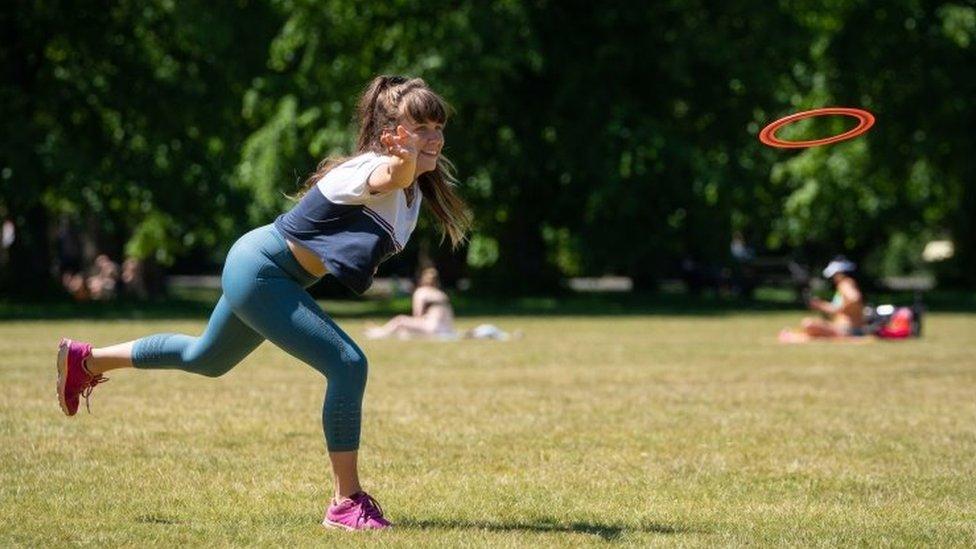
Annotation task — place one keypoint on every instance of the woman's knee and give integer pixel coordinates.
(354, 368)
(358, 364)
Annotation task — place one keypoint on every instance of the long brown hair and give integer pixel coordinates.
(386, 100)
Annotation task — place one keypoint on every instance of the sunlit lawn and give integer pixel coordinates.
(643, 430)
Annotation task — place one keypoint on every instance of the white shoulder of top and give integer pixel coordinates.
(347, 183)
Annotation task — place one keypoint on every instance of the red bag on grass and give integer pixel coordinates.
(899, 326)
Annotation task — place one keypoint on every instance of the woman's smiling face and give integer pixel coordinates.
(430, 141)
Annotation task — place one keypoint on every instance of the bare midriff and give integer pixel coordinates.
(307, 259)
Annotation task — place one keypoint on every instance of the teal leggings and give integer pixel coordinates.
(265, 298)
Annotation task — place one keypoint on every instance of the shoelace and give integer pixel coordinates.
(369, 508)
(87, 391)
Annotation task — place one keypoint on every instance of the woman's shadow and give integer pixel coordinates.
(607, 532)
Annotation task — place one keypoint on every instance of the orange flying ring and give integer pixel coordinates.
(768, 134)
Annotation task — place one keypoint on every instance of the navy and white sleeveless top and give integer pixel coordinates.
(350, 229)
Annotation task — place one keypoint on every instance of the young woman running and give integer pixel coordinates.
(355, 213)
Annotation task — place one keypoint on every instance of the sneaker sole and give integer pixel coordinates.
(339, 526)
(62, 366)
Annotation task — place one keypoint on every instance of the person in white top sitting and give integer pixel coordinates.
(432, 313)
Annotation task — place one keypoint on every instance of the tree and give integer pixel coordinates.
(124, 121)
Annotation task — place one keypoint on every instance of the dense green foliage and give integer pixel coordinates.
(590, 138)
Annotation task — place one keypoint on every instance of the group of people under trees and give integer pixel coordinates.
(106, 280)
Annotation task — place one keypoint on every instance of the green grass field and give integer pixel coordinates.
(642, 430)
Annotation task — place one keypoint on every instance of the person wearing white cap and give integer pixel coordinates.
(844, 313)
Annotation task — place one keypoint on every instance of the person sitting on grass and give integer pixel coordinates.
(432, 315)
(433, 318)
(844, 313)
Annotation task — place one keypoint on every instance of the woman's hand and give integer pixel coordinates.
(403, 144)
(403, 147)
(824, 307)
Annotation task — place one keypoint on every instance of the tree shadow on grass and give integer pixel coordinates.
(607, 532)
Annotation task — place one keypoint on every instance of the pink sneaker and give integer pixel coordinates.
(359, 512)
(73, 379)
